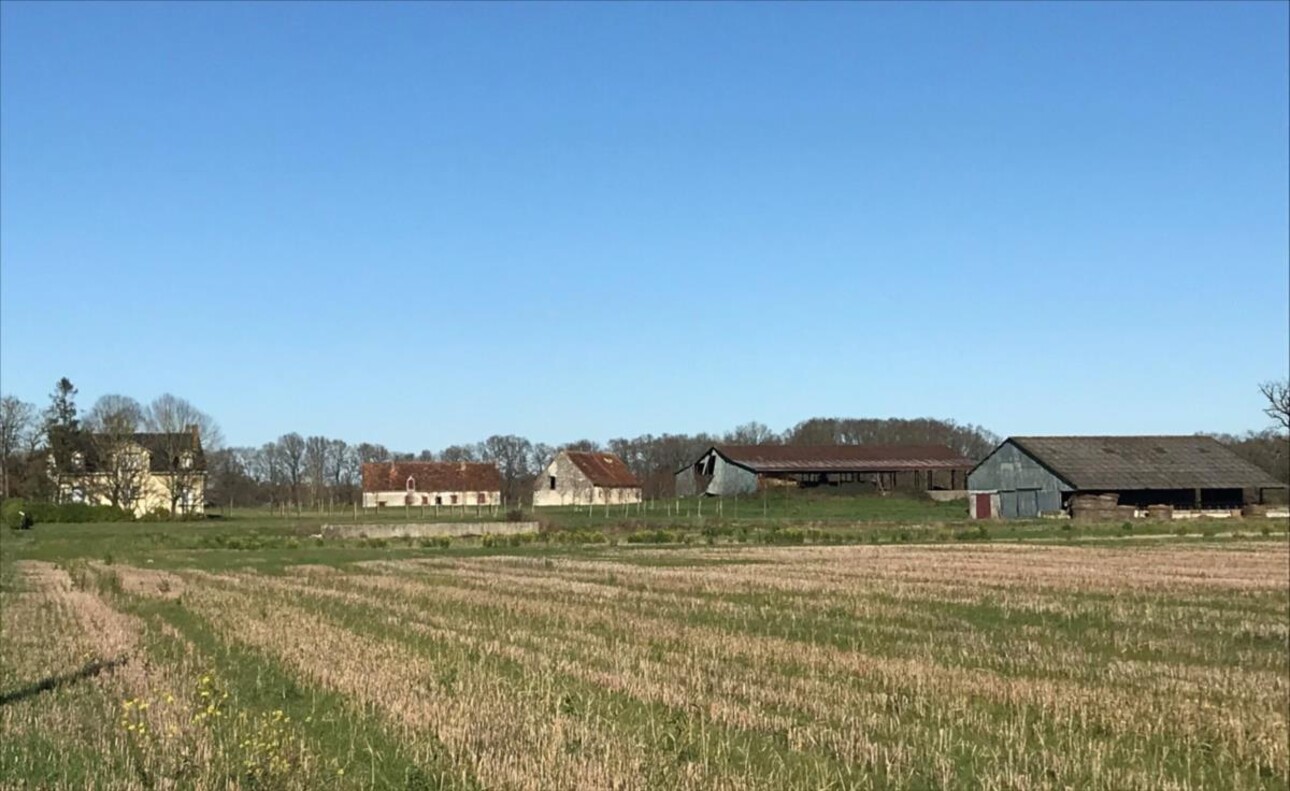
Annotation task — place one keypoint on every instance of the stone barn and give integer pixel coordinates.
(1026, 477)
(578, 478)
(418, 483)
(744, 469)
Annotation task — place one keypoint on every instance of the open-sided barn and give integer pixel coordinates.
(430, 483)
(584, 478)
(740, 469)
(1028, 476)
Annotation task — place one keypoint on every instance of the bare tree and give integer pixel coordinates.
(230, 477)
(1278, 396)
(265, 466)
(752, 433)
(343, 468)
(17, 429)
(181, 431)
(291, 454)
(540, 455)
(511, 454)
(369, 453)
(121, 463)
(115, 414)
(459, 453)
(317, 450)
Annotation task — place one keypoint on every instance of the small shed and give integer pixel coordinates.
(1026, 477)
(443, 483)
(583, 478)
(743, 469)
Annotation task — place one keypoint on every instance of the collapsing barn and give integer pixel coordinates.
(742, 469)
(1026, 477)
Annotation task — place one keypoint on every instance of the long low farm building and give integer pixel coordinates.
(1026, 477)
(743, 469)
(444, 483)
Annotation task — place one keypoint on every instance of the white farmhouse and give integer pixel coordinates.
(578, 478)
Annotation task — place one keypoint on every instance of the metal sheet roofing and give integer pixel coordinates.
(1123, 463)
(842, 458)
(604, 469)
(431, 476)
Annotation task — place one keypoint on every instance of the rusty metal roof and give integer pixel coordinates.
(842, 458)
(431, 476)
(604, 469)
(1143, 462)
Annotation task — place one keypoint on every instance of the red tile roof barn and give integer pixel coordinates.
(604, 470)
(431, 476)
(842, 458)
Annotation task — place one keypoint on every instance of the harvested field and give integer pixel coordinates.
(1147, 665)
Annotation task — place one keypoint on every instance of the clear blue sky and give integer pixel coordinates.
(420, 224)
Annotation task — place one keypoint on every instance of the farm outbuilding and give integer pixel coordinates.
(743, 469)
(441, 483)
(581, 478)
(1026, 477)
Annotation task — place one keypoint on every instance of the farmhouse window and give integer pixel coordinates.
(479, 499)
(454, 499)
(438, 500)
(552, 482)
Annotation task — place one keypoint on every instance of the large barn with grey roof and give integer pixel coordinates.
(742, 469)
(1026, 477)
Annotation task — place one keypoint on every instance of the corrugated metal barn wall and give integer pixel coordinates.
(1025, 488)
(727, 479)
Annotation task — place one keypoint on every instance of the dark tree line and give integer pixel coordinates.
(318, 472)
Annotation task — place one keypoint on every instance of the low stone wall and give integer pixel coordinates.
(947, 495)
(429, 529)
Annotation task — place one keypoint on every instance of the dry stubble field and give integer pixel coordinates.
(1157, 665)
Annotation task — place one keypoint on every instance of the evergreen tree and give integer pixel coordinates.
(61, 422)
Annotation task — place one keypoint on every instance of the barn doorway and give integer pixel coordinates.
(983, 506)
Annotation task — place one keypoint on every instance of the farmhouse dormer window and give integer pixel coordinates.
(412, 484)
(78, 460)
(186, 461)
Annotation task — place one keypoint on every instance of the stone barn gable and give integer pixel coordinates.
(583, 478)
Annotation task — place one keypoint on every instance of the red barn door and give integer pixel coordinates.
(983, 506)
